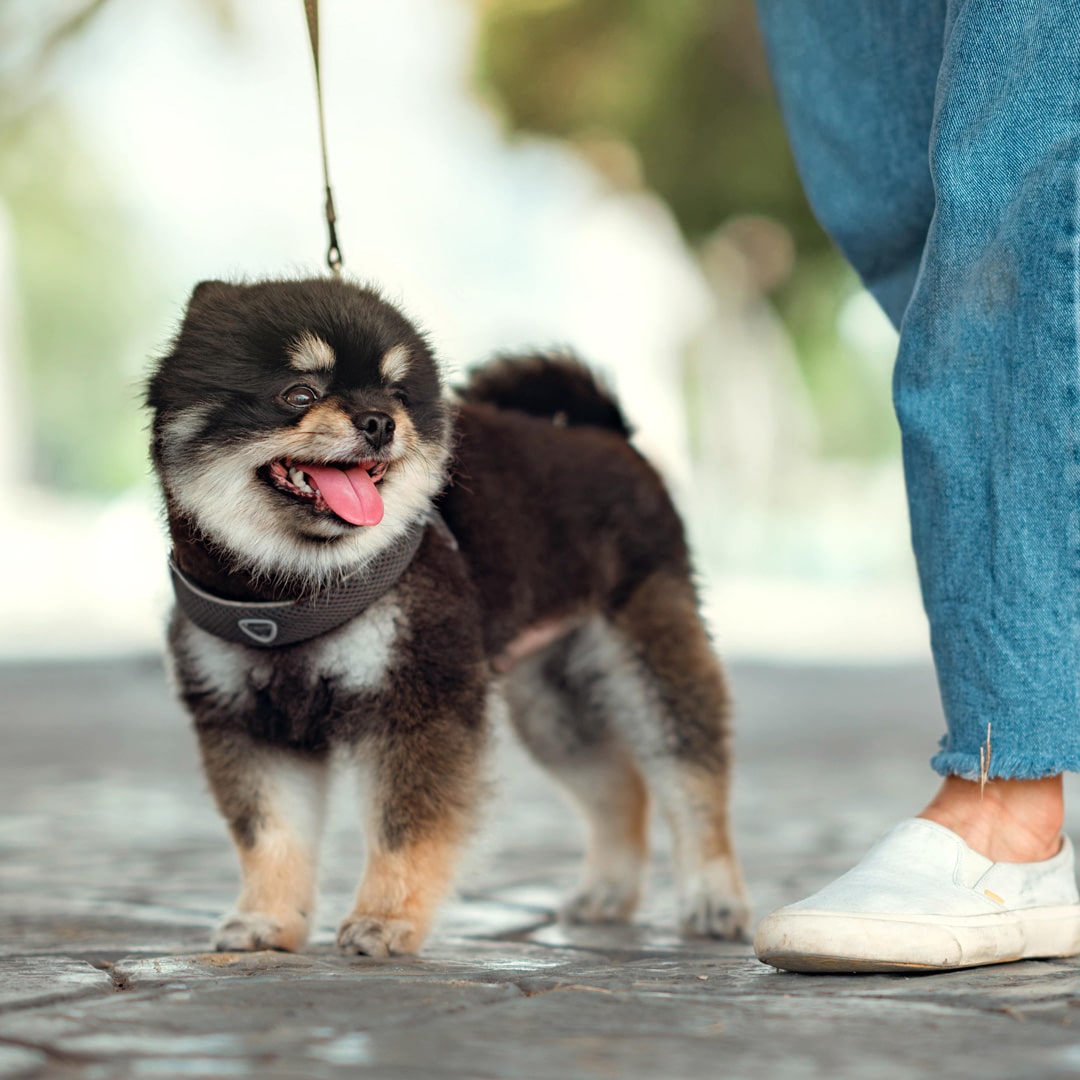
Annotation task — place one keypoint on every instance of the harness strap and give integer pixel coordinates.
(275, 624)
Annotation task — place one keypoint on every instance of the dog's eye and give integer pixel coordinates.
(399, 394)
(300, 397)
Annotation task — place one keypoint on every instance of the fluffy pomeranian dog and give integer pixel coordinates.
(365, 568)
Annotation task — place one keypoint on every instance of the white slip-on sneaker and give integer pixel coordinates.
(922, 900)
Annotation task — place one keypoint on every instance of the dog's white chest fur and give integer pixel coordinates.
(361, 652)
(356, 656)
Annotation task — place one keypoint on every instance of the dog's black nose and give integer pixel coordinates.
(377, 426)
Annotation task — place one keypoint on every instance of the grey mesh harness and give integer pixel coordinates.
(271, 625)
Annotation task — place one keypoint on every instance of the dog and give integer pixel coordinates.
(367, 567)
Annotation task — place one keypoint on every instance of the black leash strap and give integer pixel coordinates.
(334, 257)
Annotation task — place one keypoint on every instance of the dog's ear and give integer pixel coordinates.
(207, 291)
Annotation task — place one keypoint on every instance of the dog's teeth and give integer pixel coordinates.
(299, 479)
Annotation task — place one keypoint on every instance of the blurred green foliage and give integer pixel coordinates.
(685, 85)
(86, 294)
(80, 291)
(684, 82)
(851, 390)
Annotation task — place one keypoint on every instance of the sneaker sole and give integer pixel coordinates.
(822, 942)
(806, 964)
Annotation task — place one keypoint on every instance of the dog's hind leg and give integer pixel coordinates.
(273, 801)
(671, 703)
(421, 784)
(565, 726)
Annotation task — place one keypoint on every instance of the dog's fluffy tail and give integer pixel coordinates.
(555, 386)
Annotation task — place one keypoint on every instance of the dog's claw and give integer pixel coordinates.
(369, 935)
(251, 931)
(602, 902)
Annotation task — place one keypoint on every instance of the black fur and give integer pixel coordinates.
(554, 386)
(229, 353)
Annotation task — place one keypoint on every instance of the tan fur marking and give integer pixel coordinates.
(395, 364)
(692, 783)
(712, 895)
(405, 435)
(327, 418)
(634, 801)
(279, 851)
(708, 798)
(279, 882)
(404, 887)
(612, 795)
(310, 354)
(325, 432)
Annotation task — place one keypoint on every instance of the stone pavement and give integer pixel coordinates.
(114, 867)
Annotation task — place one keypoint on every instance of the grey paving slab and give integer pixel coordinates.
(114, 868)
(242, 1018)
(576, 1032)
(32, 980)
(18, 1061)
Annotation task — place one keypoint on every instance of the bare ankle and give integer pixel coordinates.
(1007, 821)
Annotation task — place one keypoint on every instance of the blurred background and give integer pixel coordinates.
(607, 174)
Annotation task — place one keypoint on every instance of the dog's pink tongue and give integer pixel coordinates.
(350, 493)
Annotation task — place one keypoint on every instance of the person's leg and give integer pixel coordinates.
(988, 395)
(856, 81)
(987, 391)
(1005, 820)
(987, 388)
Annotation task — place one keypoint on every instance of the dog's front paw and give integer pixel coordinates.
(716, 917)
(601, 902)
(712, 904)
(373, 935)
(249, 931)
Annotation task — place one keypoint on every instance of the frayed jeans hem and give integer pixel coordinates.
(1002, 767)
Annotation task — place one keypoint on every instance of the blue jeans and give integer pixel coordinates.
(939, 144)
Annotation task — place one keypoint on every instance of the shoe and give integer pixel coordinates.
(922, 900)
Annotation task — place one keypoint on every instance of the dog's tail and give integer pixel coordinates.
(554, 386)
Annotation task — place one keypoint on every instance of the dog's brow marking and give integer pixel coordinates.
(310, 353)
(395, 364)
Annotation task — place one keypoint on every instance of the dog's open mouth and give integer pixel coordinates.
(347, 490)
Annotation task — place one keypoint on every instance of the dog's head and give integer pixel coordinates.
(298, 426)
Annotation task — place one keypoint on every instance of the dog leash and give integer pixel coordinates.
(334, 259)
